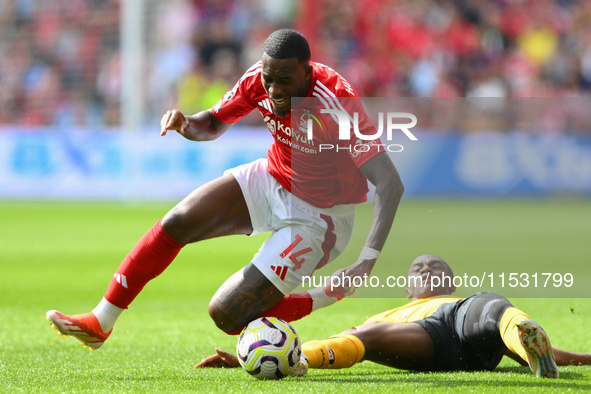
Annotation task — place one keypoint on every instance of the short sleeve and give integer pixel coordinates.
(238, 102)
(361, 149)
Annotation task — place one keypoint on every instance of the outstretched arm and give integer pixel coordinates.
(562, 357)
(203, 126)
(380, 171)
(220, 359)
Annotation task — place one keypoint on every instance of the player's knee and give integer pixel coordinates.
(221, 320)
(369, 334)
(490, 304)
(179, 225)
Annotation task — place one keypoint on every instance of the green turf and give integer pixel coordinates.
(62, 256)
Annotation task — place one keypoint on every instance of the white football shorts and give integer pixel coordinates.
(304, 238)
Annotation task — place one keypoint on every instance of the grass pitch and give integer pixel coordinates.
(62, 256)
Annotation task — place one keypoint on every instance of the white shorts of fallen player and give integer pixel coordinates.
(304, 238)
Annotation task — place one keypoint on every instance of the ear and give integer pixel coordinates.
(308, 72)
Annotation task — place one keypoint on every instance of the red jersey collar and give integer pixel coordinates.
(312, 80)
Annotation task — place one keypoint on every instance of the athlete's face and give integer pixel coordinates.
(284, 79)
(420, 277)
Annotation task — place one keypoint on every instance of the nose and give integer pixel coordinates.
(424, 269)
(274, 90)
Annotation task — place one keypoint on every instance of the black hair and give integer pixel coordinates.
(287, 43)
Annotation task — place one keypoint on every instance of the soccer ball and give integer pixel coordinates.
(269, 348)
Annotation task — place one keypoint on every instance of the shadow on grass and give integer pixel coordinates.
(498, 378)
(564, 375)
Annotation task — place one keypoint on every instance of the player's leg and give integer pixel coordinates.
(242, 298)
(215, 209)
(308, 240)
(318, 236)
(398, 345)
(526, 338)
(263, 287)
(248, 294)
(491, 323)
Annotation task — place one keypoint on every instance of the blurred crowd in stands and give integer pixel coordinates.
(61, 61)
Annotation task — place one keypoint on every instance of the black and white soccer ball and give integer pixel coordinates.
(269, 348)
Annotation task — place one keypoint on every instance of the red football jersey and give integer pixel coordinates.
(323, 170)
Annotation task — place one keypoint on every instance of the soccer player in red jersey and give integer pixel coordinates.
(304, 198)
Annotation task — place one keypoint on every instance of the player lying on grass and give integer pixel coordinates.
(437, 332)
(304, 197)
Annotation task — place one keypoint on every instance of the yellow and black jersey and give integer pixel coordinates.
(414, 310)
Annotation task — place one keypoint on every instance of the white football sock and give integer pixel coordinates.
(107, 314)
(320, 299)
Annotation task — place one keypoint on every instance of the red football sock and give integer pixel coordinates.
(289, 309)
(148, 259)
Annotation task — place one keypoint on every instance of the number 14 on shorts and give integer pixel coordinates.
(294, 255)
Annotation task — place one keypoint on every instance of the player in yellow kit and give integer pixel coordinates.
(438, 332)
